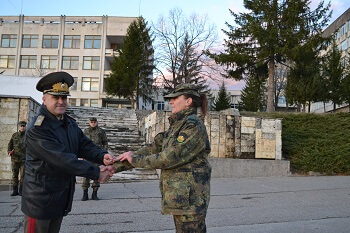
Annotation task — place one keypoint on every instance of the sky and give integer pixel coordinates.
(216, 10)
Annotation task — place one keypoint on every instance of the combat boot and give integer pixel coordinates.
(15, 191)
(94, 196)
(20, 190)
(85, 195)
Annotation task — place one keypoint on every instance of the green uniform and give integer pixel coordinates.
(181, 153)
(18, 157)
(99, 137)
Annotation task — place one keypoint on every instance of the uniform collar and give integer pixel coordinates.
(54, 122)
(182, 114)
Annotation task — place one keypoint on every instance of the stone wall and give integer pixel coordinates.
(12, 110)
(230, 135)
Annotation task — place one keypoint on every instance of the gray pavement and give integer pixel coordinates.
(319, 204)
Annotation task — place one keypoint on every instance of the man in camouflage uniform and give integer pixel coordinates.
(98, 136)
(181, 153)
(17, 150)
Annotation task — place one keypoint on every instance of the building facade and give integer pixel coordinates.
(83, 46)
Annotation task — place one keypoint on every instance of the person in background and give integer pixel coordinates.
(99, 137)
(181, 153)
(17, 150)
(54, 144)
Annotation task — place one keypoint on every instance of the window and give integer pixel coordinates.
(343, 30)
(48, 62)
(84, 102)
(71, 42)
(30, 41)
(28, 62)
(7, 61)
(75, 84)
(92, 42)
(91, 63)
(93, 103)
(50, 41)
(8, 41)
(70, 63)
(343, 45)
(160, 105)
(72, 102)
(89, 84)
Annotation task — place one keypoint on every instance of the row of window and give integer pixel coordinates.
(50, 41)
(50, 62)
(84, 102)
(342, 30)
(344, 44)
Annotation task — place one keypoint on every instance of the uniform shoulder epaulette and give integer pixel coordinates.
(39, 120)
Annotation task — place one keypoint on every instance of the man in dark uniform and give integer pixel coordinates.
(99, 137)
(54, 144)
(17, 150)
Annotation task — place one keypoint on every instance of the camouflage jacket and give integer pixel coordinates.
(17, 144)
(98, 136)
(181, 153)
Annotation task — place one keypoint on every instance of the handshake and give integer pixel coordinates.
(114, 164)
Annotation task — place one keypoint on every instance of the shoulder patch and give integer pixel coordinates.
(39, 120)
(181, 138)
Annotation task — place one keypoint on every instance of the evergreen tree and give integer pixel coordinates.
(333, 72)
(267, 33)
(222, 101)
(253, 94)
(131, 71)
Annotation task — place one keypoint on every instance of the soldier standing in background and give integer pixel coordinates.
(98, 136)
(17, 150)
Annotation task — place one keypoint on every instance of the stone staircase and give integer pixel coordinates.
(121, 126)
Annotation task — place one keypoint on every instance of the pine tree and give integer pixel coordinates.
(333, 72)
(223, 101)
(131, 75)
(268, 33)
(253, 94)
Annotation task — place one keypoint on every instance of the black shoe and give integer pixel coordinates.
(94, 196)
(15, 191)
(85, 196)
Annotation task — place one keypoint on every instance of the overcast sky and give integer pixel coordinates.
(216, 10)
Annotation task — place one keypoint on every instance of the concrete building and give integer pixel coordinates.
(84, 46)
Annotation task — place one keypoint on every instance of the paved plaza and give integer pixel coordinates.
(317, 204)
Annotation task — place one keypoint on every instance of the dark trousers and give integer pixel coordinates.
(190, 223)
(32, 225)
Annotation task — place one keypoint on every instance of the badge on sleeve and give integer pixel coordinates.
(181, 138)
(39, 120)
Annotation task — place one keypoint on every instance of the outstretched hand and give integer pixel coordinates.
(108, 159)
(125, 156)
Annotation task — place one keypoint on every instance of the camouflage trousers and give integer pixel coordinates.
(190, 223)
(86, 184)
(17, 169)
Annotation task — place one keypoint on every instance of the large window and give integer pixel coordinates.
(160, 105)
(48, 62)
(92, 42)
(71, 42)
(50, 41)
(74, 86)
(7, 61)
(28, 62)
(70, 63)
(93, 103)
(30, 41)
(89, 84)
(344, 45)
(8, 41)
(84, 102)
(72, 102)
(91, 63)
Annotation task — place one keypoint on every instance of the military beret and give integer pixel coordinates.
(93, 119)
(185, 88)
(22, 123)
(56, 83)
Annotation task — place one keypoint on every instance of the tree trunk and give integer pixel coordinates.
(271, 87)
(334, 106)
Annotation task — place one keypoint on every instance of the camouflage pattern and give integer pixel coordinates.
(190, 223)
(98, 136)
(185, 88)
(181, 153)
(18, 157)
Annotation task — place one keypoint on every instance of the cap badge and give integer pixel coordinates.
(60, 87)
